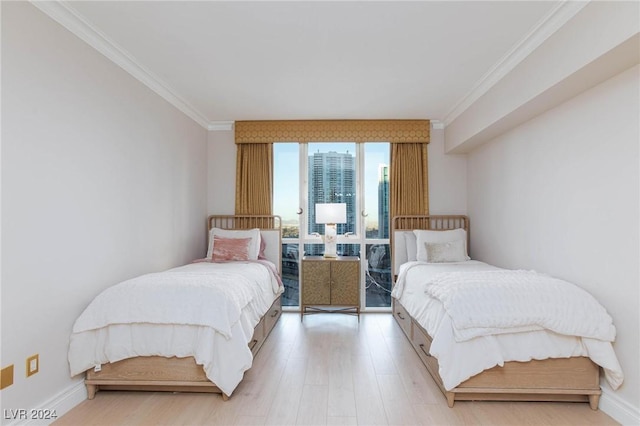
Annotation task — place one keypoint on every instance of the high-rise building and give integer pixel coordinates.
(383, 201)
(332, 179)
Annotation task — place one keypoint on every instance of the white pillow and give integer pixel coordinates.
(405, 247)
(399, 249)
(254, 234)
(412, 246)
(427, 236)
(453, 251)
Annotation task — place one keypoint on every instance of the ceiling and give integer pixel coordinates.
(227, 61)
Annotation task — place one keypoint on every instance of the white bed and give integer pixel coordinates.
(481, 367)
(190, 328)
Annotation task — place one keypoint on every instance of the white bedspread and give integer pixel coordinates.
(483, 303)
(204, 310)
(460, 360)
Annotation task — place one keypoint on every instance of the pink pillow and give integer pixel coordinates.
(230, 248)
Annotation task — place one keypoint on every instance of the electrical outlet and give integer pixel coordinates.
(33, 365)
(6, 378)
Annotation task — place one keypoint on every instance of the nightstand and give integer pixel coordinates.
(330, 285)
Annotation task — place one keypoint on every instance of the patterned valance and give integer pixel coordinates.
(394, 131)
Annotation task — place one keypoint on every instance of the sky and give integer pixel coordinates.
(287, 175)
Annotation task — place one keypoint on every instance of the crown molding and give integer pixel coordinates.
(66, 16)
(220, 125)
(549, 24)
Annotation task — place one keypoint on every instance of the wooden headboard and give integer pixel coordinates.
(400, 224)
(270, 231)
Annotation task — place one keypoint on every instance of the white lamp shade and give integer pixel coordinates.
(331, 213)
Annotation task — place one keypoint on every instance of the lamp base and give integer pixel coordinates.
(330, 237)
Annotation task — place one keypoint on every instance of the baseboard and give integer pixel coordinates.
(61, 404)
(620, 410)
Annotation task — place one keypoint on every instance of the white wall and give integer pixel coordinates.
(447, 175)
(560, 194)
(447, 178)
(221, 187)
(102, 180)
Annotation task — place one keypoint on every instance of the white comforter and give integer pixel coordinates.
(483, 303)
(204, 310)
(470, 338)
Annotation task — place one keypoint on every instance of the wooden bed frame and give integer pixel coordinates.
(157, 373)
(574, 379)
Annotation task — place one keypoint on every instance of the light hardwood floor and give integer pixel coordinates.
(333, 370)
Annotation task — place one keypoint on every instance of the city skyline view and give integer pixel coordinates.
(287, 177)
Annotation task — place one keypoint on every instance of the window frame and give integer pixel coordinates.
(360, 235)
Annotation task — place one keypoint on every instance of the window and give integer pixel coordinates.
(285, 204)
(376, 198)
(331, 170)
(350, 173)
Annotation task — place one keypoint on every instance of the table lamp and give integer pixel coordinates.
(330, 214)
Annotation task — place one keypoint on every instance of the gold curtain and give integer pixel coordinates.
(254, 179)
(409, 192)
(300, 131)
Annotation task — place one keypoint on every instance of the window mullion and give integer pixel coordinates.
(304, 195)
